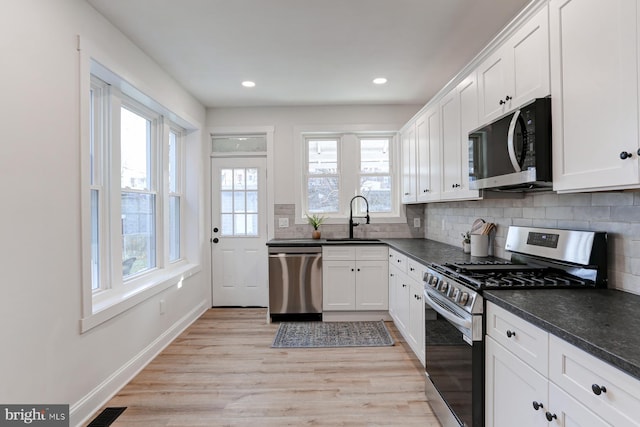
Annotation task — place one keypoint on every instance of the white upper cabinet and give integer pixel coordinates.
(428, 153)
(518, 71)
(458, 115)
(408, 147)
(594, 80)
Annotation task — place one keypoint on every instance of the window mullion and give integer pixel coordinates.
(114, 195)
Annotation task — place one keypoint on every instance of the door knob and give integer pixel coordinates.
(215, 229)
(215, 240)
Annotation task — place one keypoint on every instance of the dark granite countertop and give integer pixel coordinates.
(602, 322)
(429, 251)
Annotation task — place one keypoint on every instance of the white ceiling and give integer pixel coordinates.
(310, 52)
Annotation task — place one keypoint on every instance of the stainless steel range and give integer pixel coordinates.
(540, 258)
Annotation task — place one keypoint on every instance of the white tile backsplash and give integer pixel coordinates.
(617, 213)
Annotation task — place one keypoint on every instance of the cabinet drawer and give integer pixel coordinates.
(580, 375)
(415, 270)
(398, 260)
(528, 342)
(339, 253)
(372, 253)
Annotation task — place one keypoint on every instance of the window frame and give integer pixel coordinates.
(349, 184)
(100, 172)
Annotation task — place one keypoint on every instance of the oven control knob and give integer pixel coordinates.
(434, 282)
(464, 298)
(443, 287)
(455, 294)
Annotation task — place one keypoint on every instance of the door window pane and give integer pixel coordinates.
(238, 196)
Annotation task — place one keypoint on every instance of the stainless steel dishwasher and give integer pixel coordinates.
(295, 282)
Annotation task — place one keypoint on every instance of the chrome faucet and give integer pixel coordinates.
(351, 223)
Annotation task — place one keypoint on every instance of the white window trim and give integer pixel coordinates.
(108, 302)
(301, 133)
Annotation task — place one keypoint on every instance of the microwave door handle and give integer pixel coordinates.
(511, 143)
(456, 320)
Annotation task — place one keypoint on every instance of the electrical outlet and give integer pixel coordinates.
(283, 222)
(416, 222)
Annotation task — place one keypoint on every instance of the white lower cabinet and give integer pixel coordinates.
(406, 305)
(511, 387)
(533, 378)
(354, 278)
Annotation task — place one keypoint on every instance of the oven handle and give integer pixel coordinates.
(444, 312)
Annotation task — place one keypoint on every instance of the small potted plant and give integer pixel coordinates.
(466, 242)
(315, 220)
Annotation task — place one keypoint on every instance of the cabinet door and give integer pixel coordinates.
(568, 412)
(338, 285)
(403, 290)
(518, 71)
(468, 96)
(408, 139)
(529, 56)
(594, 95)
(493, 81)
(372, 285)
(393, 299)
(511, 387)
(450, 131)
(416, 320)
(428, 154)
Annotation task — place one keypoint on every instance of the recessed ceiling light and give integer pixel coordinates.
(379, 81)
(248, 83)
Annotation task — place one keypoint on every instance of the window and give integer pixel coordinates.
(375, 173)
(135, 197)
(336, 168)
(323, 179)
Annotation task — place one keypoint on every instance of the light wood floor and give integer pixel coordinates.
(222, 371)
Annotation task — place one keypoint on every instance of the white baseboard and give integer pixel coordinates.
(81, 411)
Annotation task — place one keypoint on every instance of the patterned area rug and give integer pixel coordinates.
(332, 334)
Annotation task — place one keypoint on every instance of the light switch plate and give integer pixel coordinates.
(416, 222)
(283, 222)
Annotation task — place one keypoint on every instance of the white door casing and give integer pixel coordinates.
(239, 231)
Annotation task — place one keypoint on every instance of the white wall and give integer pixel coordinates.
(285, 119)
(44, 358)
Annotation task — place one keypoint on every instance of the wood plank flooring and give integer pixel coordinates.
(222, 371)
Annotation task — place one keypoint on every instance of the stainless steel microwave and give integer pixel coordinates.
(514, 152)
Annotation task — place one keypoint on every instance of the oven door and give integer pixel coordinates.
(454, 365)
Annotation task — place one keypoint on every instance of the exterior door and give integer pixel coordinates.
(239, 232)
